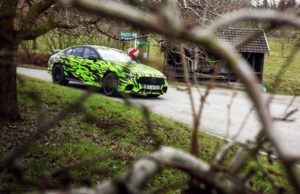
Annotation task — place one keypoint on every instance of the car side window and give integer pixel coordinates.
(86, 53)
(78, 51)
(90, 54)
(69, 51)
(93, 54)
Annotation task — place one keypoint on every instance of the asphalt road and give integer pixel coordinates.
(176, 105)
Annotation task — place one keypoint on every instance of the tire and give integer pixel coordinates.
(153, 95)
(110, 84)
(58, 76)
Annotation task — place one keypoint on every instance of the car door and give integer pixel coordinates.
(67, 62)
(86, 70)
(77, 65)
(93, 63)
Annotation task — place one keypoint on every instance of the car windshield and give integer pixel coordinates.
(116, 56)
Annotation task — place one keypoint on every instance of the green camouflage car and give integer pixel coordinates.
(111, 69)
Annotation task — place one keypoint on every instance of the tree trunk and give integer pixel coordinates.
(8, 49)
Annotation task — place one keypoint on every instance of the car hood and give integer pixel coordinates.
(141, 70)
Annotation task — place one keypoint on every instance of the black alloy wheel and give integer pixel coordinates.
(110, 84)
(58, 76)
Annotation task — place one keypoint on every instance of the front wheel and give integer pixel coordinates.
(58, 76)
(110, 84)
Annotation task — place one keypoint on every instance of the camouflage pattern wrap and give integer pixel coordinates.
(92, 72)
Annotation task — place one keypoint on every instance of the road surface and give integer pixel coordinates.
(176, 105)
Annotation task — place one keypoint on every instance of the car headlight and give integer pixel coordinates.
(129, 75)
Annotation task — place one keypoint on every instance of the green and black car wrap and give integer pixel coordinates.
(133, 78)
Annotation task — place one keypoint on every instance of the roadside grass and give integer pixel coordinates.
(31, 66)
(117, 139)
(290, 80)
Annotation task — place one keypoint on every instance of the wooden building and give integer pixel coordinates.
(203, 65)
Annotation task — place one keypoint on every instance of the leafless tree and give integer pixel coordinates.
(27, 20)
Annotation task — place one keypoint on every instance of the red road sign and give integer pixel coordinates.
(133, 52)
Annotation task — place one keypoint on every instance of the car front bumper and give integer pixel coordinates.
(132, 86)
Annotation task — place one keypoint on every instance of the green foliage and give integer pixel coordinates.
(57, 39)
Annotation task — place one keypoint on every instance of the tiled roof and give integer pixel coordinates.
(259, 44)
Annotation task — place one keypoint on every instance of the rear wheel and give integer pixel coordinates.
(110, 84)
(58, 76)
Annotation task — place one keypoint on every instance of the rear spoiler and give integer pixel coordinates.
(56, 50)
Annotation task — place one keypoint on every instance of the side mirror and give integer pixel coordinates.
(93, 58)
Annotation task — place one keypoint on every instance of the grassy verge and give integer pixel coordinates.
(120, 129)
(290, 80)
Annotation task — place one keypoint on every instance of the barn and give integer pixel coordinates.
(203, 65)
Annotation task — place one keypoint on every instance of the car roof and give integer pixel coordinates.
(97, 47)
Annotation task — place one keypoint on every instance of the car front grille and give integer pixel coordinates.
(151, 81)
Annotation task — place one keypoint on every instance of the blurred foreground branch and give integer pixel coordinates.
(163, 23)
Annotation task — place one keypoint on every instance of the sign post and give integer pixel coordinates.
(143, 43)
(127, 36)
